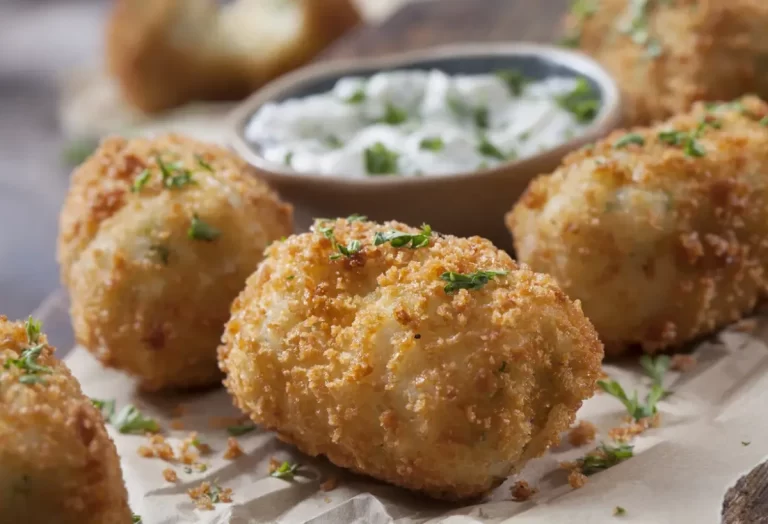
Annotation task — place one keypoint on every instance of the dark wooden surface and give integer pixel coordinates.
(425, 24)
(747, 501)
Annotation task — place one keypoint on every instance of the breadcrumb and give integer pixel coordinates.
(233, 449)
(522, 491)
(583, 433)
(634, 427)
(177, 424)
(207, 494)
(330, 484)
(577, 479)
(683, 363)
(179, 410)
(170, 475)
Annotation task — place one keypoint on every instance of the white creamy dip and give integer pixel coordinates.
(414, 123)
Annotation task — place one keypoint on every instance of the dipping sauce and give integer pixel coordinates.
(420, 123)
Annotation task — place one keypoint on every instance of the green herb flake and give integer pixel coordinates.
(432, 144)
(672, 137)
(656, 368)
(200, 230)
(288, 160)
(571, 40)
(400, 239)
(583, 8)
(174, 175)
(604, 457)
(618, 511)
(764, 121)
(629, 138)
(333, 141)
(394, 115)
(481, 117)
(202, 163)
(693, 148)
(33, 328)
(476, 280)
(356, 218)
(635, 408)
(358, 97)
(348, 251)
(27, 361)
(236, 431)
(136, 519)
(486, 148)
(285, 471)
(160, 252)
(581, 102)
(141, 181)
(131, 420)
(745, 442)
(514, 80)
(106, 407)
(379, 160)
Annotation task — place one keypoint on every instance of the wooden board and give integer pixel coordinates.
(437, 22)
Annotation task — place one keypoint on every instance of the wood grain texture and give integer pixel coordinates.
(747, 501)
(438, 22)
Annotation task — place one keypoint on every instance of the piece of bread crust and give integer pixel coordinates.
(165, 53)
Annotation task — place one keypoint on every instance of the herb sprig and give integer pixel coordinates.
(635, 408)
(629, 138)
(380, 160)
(285, 471)
(514, 79)
(201, 230)
(236, 431)
(131, 420)
(581, 102)
(27, 361)
(476, 280)
(604, 457)
(401, 239)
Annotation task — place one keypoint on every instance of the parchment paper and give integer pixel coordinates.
(679, 473)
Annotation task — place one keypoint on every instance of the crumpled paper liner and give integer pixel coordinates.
(679, 473)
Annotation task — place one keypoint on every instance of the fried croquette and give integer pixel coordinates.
(667, 55)
(57, 462)
(428, 361)
(157, 237)
(660, 232)
(165, 53)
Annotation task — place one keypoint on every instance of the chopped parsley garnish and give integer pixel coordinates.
(618, 511)
(160, 251)
(107, 408)
(583, 8)
(356, 218)
(202, 163)
(572, 39)
(457, 106)
(691, 147)
(432, 144)
(333, 141)
(764, 121)
(481, 117)
(604, 457)
(357, 97)
(141, 181)
(236, 431)
(629, 138)
(200, 230)
(131, 420)
(672, 137)
(215, 492)
(514, 79)
(635, 408)
(288, 160)
(581, 102)
(379, 160)
(400, 239)
(285, 471)
(33, 328)
(476, 280)
(745, 442)
(27, 361)
(656, 368)
(394, 115)
(349, 250)
(174, 176)
(136, 519)
(486, 148)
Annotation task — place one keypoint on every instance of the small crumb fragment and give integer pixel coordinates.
(745, 325)
(233, 449)
(225, 422)
(522, 491)
(209, 493)
(170, 475)
(577, 479)
(683, 363)
(582, 434)
(634, 427)
(145, 451)
(273, 464)
(158, 447)
(618, 511)
(330, 484)
(177, 424)
(327, 500)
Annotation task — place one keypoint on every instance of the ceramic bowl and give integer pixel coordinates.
(464, 204)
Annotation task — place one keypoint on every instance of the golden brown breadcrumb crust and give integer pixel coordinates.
(367, 360)
(667, 55)
(661, 242)
(582, 434)
(147, 298)
(57, 462)
(163, 57)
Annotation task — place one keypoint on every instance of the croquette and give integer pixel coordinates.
(667, 55)
(57, 462)
(432, 362)
(157, 237)
(661, 231)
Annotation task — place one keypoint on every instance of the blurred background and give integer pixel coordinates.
(55, 98)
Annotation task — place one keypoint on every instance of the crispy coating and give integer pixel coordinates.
(659, 244)
(667, 55)
(165, 53)
(57, 462)
(367, 360)
(147, 298)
